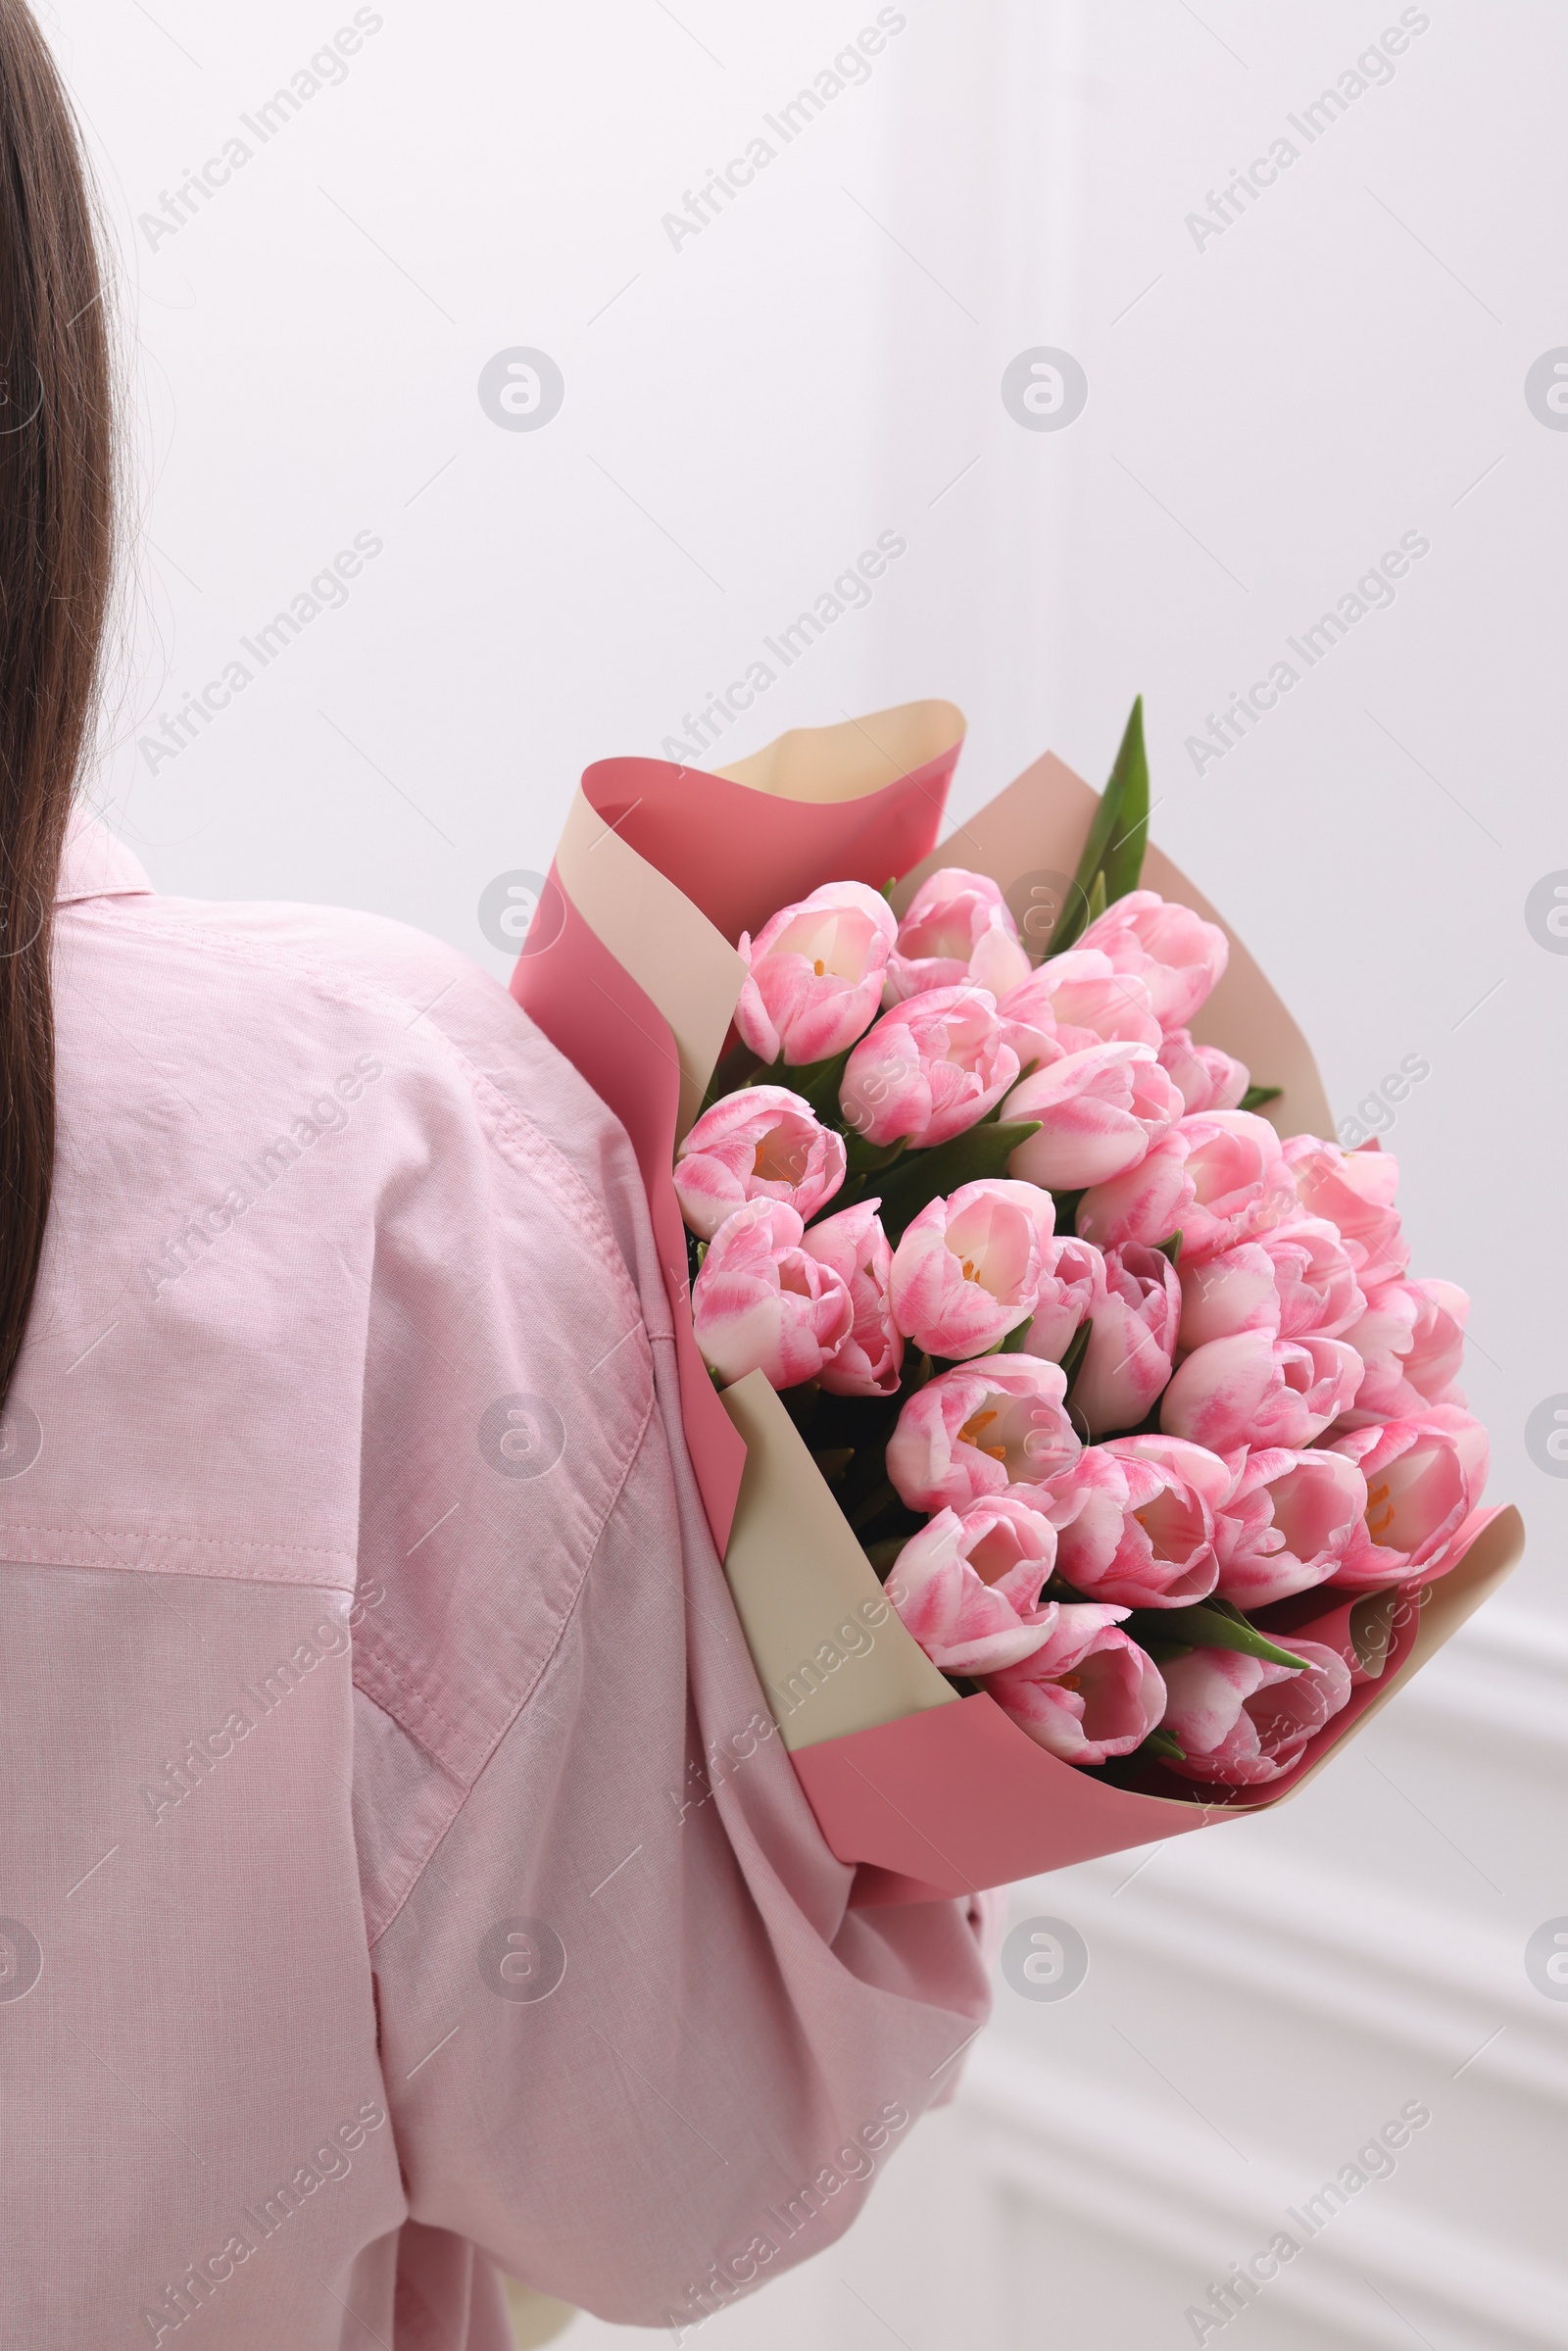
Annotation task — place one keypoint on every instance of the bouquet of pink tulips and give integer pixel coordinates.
(1098, 1367)
(1139, 1433)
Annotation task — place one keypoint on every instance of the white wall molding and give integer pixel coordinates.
(1429, 1979)
(1066, 2143)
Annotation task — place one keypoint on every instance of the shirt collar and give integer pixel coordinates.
(94, 864)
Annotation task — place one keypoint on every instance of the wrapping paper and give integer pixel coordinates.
(630, 968)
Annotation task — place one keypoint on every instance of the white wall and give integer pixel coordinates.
(1266, 414)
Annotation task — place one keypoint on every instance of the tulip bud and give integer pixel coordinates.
(930, 1070)
(815, 975)
(959, 930)
(1099, 1111)
(761, 1303)
(1242, 1721)
(763, 1142)
(1086, 1692)
(967, 1269)
(980, 1429)
(968, 1585)
(1176, 954)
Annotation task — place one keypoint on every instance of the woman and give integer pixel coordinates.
(370, 1922)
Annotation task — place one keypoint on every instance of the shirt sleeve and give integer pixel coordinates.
(636, 2046)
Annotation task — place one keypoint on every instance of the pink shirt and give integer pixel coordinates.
(395, 1858)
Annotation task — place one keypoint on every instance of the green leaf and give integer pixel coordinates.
(1013, 1344)
(888, 886)
(926, 1175)
(1114, 853)
(869, 1159)
(1212, 1625)
(1162, 1742)
(818, 1083)
(1171, 1246)
(1129, 788)
(1256, 1096)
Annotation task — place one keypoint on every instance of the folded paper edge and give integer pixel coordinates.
(824, 766)
(686, 969)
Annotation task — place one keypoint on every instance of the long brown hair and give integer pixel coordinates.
(56, 561)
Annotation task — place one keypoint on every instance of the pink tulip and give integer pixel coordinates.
(1423, 1479)
(1131, 1340)
(1411, 1339)
(1136, 1521)
(930, 1068)
(1208, 1079)
(1216, 1179)
(816, 973)
(1293, 1281)
(1471, 1439)
(968, 1587)
(1354, 1191)
(853, 1245)
(979, 1429)
(1316, 1281)
(761, 1143)
(1240, 1187)
(1029, 1025)
(1088, 1692)
(1254, 1389)
(967, 1269)
(761, 1303)
(1088, 1002)
(1229, 1294)
(1286, 1524)
(1072, 1275)
(957, 928)
(1176, 954)
(1146, 1204)
(1242, 1721)
(1099, 1111)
